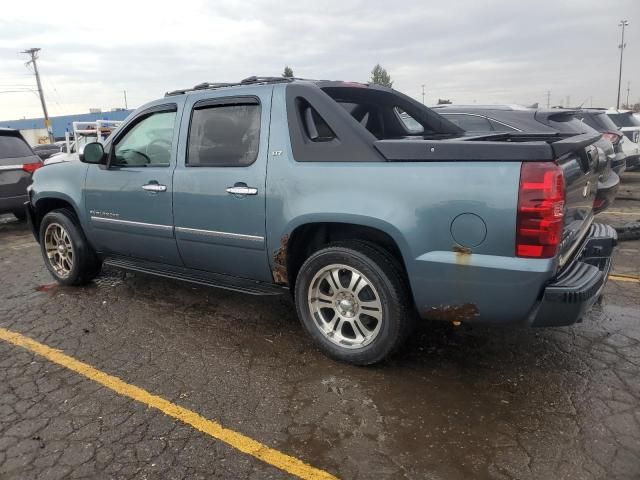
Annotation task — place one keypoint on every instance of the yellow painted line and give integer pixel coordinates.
(637, 214)
(232, 438)
(625, 278)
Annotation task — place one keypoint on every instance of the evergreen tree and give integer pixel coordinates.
(288, 72)
(380, 76)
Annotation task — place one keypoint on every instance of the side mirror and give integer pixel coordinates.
(93, 153)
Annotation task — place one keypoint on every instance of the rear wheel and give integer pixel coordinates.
(66, 252)
(353, 301)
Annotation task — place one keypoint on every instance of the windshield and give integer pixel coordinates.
(624, 119)
(13, 147)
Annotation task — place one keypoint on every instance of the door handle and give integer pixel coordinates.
(242, 189)
(154, 187)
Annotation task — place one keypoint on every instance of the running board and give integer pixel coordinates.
(216, 280)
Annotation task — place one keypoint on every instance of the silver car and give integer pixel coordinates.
(17, 164)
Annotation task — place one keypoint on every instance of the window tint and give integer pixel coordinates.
(599, 121)
(13, 147)
(569, 124)
(469, 123)
(408, 122)
(501, 127)
(224, 136)
(148, 143)
(316, 128)
(624, 119)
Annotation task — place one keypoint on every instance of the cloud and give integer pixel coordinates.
(489, 51)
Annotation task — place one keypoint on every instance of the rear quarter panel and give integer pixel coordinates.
(416, 203)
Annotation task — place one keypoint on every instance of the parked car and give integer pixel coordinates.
(322, 189)
(627, 122)
(17, 164)
(598, 119)
(483, 119)
(631, 151)
(45, 150)
(629, 125)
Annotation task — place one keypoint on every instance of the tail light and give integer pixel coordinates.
(613, 137)
(540, 210)
(31, 167)
(598, 203)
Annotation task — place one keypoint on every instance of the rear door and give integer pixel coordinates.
(219, 183)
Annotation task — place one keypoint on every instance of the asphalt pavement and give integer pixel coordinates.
(457, 403)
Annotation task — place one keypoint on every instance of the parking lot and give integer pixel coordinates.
(463, 402)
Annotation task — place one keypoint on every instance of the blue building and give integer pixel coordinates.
(64, 123)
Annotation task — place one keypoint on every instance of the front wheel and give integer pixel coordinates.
(66, 252)
(353, 301)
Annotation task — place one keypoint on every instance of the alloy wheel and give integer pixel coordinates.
(345, 306)
(59, 249)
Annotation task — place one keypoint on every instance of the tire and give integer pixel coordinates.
(61, 227)
(20, 215)
(366, 315)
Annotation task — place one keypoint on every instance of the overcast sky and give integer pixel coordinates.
(469, 50)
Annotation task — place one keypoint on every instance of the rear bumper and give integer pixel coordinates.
(10, 204)
(607, 192)
(568, 296)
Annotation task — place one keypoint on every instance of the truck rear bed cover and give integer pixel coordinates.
(504, 147)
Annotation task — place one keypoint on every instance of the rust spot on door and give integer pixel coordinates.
(279, 270)
(454, 313)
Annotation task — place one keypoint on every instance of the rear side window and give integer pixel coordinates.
(568, 124)
(316, 128)
(501, 127)
(469, 123)
(13, 147)
(600, 121)
(224, 136)
(624, 119)
(408, 122)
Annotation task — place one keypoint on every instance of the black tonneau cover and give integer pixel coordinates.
(520, 147)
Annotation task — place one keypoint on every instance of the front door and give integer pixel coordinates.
(129, 201)
(219, 183)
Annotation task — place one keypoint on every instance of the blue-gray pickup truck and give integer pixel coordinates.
(369, 207)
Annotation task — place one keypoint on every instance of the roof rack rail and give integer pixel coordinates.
(247, 81)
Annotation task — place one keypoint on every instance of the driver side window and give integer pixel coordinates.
(148, 143)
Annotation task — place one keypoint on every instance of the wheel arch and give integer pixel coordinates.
(44, 205)
(308, 235)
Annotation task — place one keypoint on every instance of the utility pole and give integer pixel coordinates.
(548, 98)
(125, 100)
(628, 90)
(34, 56)
(423, 94)
(568, 104)
(623, 23)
